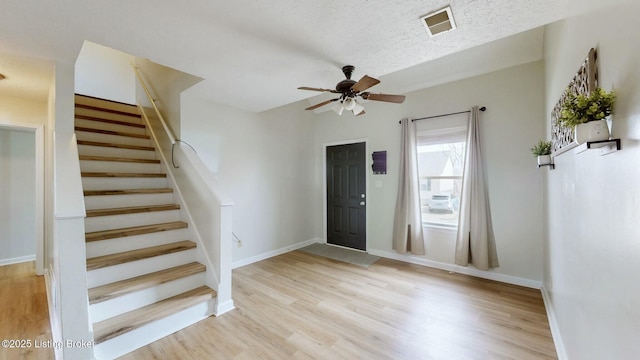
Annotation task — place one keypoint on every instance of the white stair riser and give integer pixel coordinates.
(129, 243)
(131, 269)
(99, 223)
(115, 152)
(113, 139)
(154, 331)
(116, 201)
(108, 115)
(93, 124)
(117, 166)
(115, 183)
(135, 300)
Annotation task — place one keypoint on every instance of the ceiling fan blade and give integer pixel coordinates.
(361, 113)
(316, 89)
(398, 99)
(364, 83)
(321, 104)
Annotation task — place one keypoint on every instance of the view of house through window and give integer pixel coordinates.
(440, 165)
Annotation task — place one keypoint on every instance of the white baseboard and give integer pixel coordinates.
(224, 307)
(553, 324)
(514, 280)
(17, 260)
(286, 249)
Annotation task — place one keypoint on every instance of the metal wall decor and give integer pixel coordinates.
(584, 81)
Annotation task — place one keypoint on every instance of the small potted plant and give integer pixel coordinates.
(543, 151)
(586, 114)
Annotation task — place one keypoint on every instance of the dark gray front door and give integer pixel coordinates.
(346, 197)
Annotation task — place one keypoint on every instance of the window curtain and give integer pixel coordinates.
(475, 242)
(407, 224)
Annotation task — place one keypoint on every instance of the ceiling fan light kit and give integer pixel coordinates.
(350, 90)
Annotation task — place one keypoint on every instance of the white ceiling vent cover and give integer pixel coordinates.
(439, 22)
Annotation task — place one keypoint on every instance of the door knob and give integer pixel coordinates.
(362, 203)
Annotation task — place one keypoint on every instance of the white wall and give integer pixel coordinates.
(105, 73)
(592, 250)
(265, 164)
(513, 122)
(166, 86)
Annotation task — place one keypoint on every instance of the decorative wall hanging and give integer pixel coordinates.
(379, 165)
(584, 81)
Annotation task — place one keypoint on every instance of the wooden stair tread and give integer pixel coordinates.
(118, 159)
(132, 113)
(131, 210)
(128, 191)
(125, 175)
(134, 230)
(100, 262)
(111, 132)
(120, 288)
(110, 328)
(109, 121)
(119, 146)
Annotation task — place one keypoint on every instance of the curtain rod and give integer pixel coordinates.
(437, 116)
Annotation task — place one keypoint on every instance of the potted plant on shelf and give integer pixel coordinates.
(543, 151)
(586, 114)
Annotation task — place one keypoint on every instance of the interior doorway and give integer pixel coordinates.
(33, 189)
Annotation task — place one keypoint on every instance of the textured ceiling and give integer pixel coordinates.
(254, 54)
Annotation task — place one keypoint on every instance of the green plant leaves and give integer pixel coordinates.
(578, 109)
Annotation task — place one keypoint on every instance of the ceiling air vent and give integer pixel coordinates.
(439, 22)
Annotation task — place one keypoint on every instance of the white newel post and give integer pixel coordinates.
(69, 259)
(225, 302)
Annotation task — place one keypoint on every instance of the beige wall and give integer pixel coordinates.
(265, 164)
(166, 86)
(19, 110)
(513, 122)
(105, 73)
(592, 249)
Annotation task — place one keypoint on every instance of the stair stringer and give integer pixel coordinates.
(218, 274)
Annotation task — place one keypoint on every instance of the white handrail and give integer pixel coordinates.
(172, 138)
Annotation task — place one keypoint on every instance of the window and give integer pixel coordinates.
(441, 155)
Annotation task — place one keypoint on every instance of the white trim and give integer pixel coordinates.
(224, 307)
(367, 165)
(54, 322)
(270, 254)
(38, 131)
(17, 260)
(514, 280)
(553, 324)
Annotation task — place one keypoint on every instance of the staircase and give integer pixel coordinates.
(142, 271)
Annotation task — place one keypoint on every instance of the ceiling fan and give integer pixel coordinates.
(350, 90)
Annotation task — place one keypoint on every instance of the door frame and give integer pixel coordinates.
(38, 131)
(324, 185)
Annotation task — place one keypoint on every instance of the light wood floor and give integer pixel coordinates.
(23, 311)
(301, 306)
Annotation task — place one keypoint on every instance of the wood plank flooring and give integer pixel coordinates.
(301, 306)
(23, 311)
